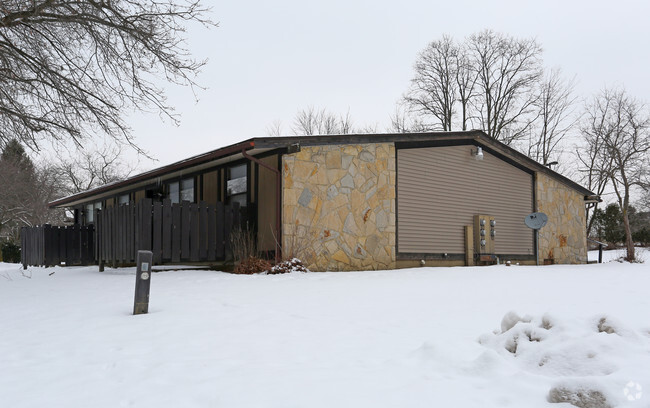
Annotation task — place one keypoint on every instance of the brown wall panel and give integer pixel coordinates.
(266, 205)
(440, 189)
(210, 187)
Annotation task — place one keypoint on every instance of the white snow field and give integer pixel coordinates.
(426, 337)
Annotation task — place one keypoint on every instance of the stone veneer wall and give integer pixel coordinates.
(339, 206)
(564, 238)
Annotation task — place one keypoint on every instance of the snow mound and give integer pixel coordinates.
(578, 352)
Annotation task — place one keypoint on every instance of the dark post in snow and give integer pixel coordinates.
(142, 282)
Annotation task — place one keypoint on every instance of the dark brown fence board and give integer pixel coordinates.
(130, 228)
(195, 243)
(221, 231)
(176, 233)
(145, 227)
(167, 230)
(185, 230)
(212, 233)
(203, 230)
(157, 233)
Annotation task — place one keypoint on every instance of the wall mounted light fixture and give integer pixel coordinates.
(478, 153)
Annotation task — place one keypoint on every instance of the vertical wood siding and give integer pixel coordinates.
(440, 189)
(266, 206)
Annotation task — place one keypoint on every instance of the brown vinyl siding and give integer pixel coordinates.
(210, 187)
(139, 195)
(267, 204)
(440, 189)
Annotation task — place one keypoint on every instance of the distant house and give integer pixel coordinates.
(360, 202)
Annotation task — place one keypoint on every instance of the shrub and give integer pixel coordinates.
(252, 265)
(10, 252)
(642, 236)
(243, 244)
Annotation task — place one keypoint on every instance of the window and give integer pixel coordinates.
(237, 185)
(187, 190)
(123, 199)
(89, 213)
(179, 191)
(173, 192)
(89, 210)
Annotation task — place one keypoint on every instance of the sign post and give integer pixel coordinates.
(536, 221)
(142, 282)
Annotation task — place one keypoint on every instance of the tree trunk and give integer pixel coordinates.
(629, 243)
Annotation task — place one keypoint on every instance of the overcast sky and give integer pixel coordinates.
(267, 60)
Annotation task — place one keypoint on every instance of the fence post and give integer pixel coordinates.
(23, 240)
(600, 253)
(99, 241)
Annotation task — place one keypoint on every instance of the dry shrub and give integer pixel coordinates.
(301, 243)
(252, 265)
(243, 244)
(291, 265)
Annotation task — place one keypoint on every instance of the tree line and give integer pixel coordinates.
(28, 187)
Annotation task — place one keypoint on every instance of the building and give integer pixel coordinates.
(359, 202)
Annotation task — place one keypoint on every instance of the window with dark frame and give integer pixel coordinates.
(89, 212)
(179, 191)
(237, 186)
(123, 199)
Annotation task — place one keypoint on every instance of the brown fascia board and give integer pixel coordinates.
(477, 136)
(183, 164)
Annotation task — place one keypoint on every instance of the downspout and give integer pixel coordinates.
(278, 201)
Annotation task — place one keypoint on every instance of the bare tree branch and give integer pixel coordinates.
(508, 70)
(69, 68)
(555, 118)
(321, 122)
(617, 152)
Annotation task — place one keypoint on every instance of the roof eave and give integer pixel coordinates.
(151, 174)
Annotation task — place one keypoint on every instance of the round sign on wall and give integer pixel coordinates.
(536, 220)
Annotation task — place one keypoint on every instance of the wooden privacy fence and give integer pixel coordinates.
(48, 245)
(184, 232)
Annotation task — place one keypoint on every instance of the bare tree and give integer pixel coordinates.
(434, 87)
(620, 132)
(508, 70)
(402, 122)
(491, 77)
(321, 122)
(275, 128)
(594, 165)
(555, 106)
(466, 78)
(25, 192)
(92, 168)
(69, 68)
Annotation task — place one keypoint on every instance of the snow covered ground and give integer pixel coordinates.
(426, 337)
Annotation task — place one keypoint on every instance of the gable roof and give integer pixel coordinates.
(262, 144)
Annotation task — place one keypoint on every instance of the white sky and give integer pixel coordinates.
(267, 61)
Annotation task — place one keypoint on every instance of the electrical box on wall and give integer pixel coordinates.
(484, 234)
